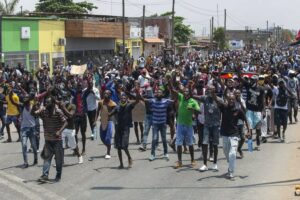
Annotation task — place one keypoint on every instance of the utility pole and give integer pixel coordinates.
(143, 31)
(210, 32)
(173, 25)
(225, 22)
(212, 28)
(218, 14)
(212, 39)
(268, 34)
(123, 28)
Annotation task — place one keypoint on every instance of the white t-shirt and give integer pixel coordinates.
(92, 99)
(143, 80)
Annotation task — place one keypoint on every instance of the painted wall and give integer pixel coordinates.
(128, 44)
(50, 32)
(11, 35)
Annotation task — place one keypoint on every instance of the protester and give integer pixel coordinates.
(54, 122)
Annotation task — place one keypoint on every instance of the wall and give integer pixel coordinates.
(15, 49)
(95, 29)
(11, 35)
(50, 32)
(129, 46)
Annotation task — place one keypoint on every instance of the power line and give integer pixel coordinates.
(195, 11)
(203, 9)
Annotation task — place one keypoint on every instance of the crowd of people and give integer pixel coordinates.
(235, 95)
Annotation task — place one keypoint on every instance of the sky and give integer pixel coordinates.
(197, 13)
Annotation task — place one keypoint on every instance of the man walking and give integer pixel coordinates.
(54, 123)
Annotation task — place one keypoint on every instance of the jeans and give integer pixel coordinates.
(53, 148)
(148, 124)
(3, 122)
(37, 133)
(28, 133)
(230, 145)
(162, 128)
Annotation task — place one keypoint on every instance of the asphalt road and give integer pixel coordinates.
(267, 174)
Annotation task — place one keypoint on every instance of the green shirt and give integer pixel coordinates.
(186, 109)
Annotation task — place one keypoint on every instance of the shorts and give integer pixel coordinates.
(211, 134)
(186, 134)
(254, 119)
(10, 119)
(70, 134)
(106, 135)
(281, 117)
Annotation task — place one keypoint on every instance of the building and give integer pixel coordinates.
(239, 39)
(92, 39)
(157, 35)
(31, 41)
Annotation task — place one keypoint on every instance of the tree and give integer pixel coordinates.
(8, 8)
(64, 6)
(182, 32)
(287, 36)
(219, 37)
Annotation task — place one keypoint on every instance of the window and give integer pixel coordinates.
(45, 57)
(12, 60)
(33, 61)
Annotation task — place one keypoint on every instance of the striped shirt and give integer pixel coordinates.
(159, 110)
(52, 123)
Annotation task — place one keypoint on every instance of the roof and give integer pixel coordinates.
(15, 17)
(154, 40)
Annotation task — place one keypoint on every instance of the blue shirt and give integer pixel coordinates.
(159, 110)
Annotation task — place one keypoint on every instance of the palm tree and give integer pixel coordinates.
(8, 8)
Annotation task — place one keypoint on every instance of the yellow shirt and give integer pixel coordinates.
(12, 110)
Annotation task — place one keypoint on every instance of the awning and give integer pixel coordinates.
(154, 40)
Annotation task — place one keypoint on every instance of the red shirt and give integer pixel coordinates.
(79, 105)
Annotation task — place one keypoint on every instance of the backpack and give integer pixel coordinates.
(282, 98)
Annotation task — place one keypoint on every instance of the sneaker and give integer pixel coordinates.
(25, 165)
(43, 178)
(107, 156)
(214, 167)
(166, 157)
(35, 162)
(92, 137)
(230, 176)
(193, 164)
(152, 157)
(203, 168)
(178, 165)
(264, 140)
(257, 148)
(142, 148)
(211, 159)
(80, 160)
(57, 179)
